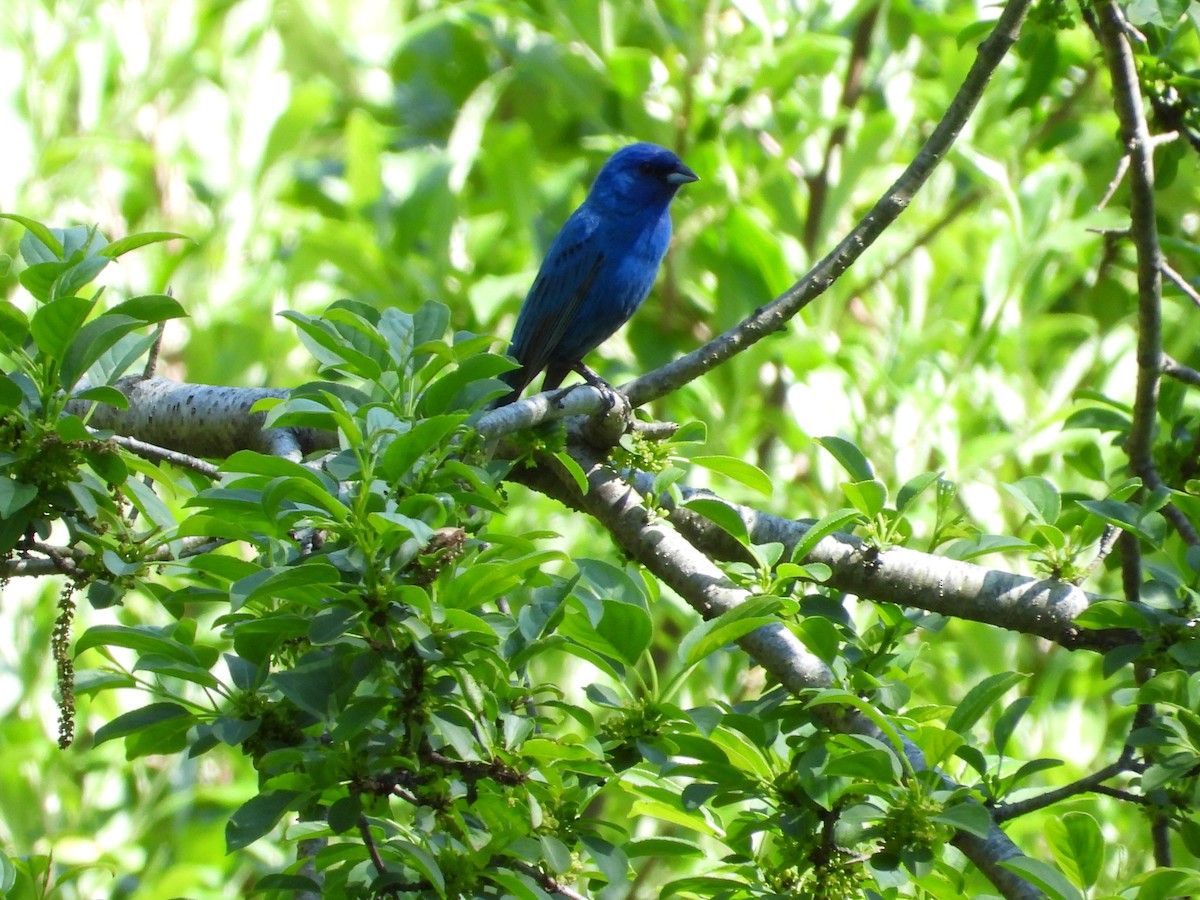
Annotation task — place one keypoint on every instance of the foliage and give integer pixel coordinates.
(397, 669)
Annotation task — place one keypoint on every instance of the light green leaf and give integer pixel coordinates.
(739, 470)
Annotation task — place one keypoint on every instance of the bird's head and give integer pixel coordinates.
(640, 175)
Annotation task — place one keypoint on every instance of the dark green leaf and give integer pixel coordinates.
(139, 719)
(256, 817)
(1007, 722)
(1039, 498)
(1044, 876)
(868, 497)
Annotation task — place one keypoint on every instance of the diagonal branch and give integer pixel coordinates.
(772, 318)
(1043, 607)
(1112, 31)
(674, 561)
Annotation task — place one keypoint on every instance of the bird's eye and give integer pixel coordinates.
(646, 168)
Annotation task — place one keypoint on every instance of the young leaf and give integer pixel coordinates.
(849, 456)
(739, 470)
(980, 699)
(822, 528)
(721, 514)
(121, 246)
(256, 817)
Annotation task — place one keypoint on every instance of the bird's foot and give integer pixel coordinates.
(607, 391)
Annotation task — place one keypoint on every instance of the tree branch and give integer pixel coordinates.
(1042, 607)
(772, 318)
(852, 87)
(200, 420)
(675, 562)
(1088, 784)
(1113, 33)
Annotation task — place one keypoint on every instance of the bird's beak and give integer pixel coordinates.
(682, 175)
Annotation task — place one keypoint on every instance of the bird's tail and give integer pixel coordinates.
(517, 379)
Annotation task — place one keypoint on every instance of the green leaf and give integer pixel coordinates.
(1077, 843)
(1038, 497)
(739, 470)
(1044, 876)
(845, 698)
(627, 627)
(421, 860)
(663, 847)
(303, 583)
(721, 514)
(50, 249)
(455, 390)
(55, 325)
(165, 665)
(969, 816)
(868, 497)
(1008, 721)
(140, 719)
(311, 685)
(572, 467)
(15, 496)
(14, 326)
(423, 437)
(913, 488)
(104, 394)
(121, 246)
(710, 636)
(849, 456)
(822, 528)
(332, 349)
(1115, 614)
(983, 544)
(980, 699)
(1150, 527)
(145, 639)
(256, 817)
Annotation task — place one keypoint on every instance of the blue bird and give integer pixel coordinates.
(599, 269)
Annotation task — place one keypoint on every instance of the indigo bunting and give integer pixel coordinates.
(599, 268)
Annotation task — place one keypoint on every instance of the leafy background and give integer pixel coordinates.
(404, 152)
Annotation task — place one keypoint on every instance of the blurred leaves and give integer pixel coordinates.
(391, 175)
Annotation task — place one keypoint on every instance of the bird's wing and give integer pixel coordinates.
(561, 286)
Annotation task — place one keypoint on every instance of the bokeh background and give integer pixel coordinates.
(404, 151)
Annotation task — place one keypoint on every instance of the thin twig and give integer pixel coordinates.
(549, 884)
(154, 453)
(151, 367)
(693, 576)
(1177, 370)
(1180, 282)
(1088, 784)
(1108, 540)
(852, 89)
(774, 317)
(1118, 177)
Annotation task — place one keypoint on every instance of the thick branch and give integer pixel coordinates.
(1041, 607)
(200, 420)
(773, 317)
(692, 575)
